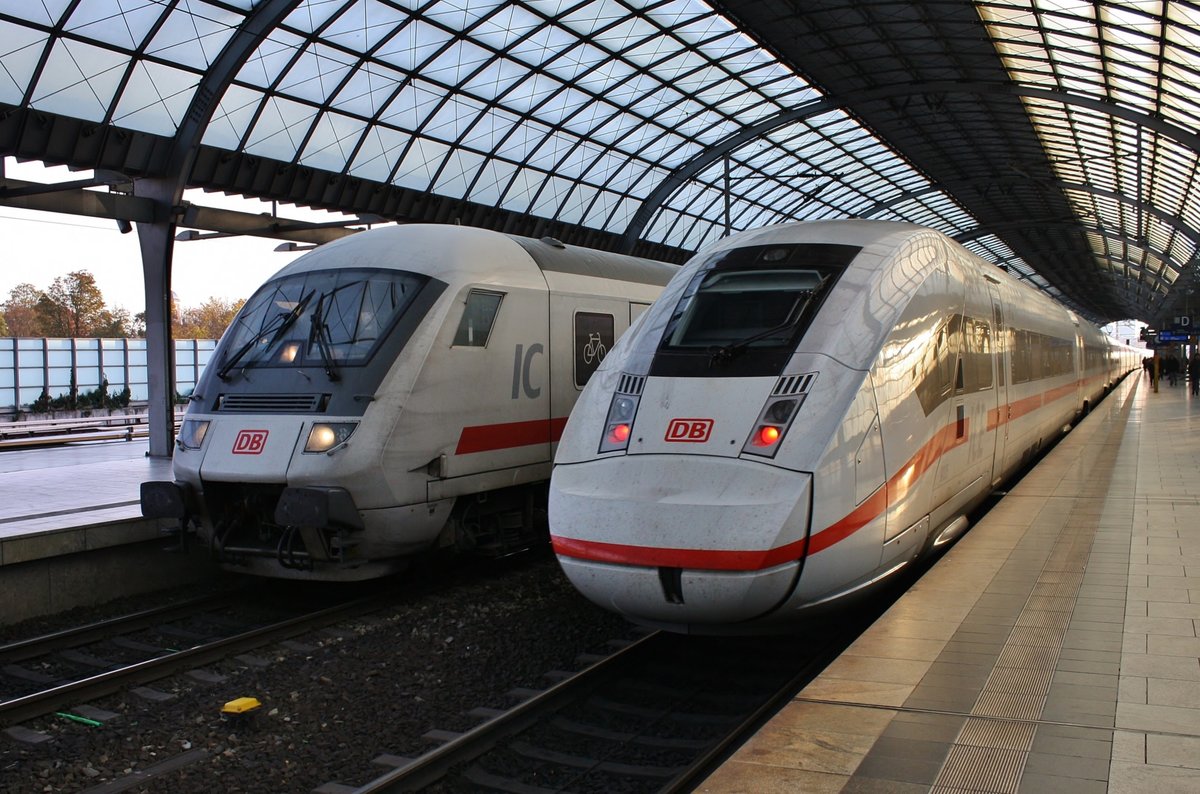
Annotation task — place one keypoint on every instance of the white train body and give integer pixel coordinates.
(805, 410)
(393, 391)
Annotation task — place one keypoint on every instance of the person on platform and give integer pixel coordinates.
(1193, 372)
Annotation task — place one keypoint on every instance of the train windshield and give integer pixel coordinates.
(745, 309)
(325, 319)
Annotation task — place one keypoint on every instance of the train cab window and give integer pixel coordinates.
(479, 314)
(749, 308)
(321, 318)
(745, 309)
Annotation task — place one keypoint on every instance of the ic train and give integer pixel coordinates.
(395, 391)
(805, 410)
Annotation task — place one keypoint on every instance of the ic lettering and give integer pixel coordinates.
(522, 370)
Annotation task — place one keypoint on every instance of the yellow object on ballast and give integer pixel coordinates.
(240, 706)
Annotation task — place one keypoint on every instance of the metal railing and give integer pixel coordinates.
(52, 432)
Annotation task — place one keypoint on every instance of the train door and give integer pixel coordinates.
(998, 417)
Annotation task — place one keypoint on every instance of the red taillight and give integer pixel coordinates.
(766, 436)
(618, 434)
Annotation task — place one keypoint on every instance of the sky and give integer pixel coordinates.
(38, 246)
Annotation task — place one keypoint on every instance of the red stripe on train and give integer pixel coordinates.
(756, 560)
(509, 435)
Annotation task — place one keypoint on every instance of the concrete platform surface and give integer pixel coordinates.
(1054, 648)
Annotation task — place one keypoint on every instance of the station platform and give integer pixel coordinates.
(74, 498)
(72, 532)
(1054, 648)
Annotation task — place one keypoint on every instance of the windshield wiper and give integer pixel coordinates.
(720, 354)
(320, 330)
(284, 320)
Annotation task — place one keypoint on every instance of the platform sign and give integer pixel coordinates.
(1173, 337)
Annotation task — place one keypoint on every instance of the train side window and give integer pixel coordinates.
(1022, 357)
(936, 376)
(979, 347)
(478, 316)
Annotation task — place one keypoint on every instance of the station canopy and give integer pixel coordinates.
(1055, 138)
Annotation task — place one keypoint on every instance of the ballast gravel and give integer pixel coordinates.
(332, 701)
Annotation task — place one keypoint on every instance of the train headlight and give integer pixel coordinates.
(328, 435)
(191, 433)
(772, 425)
(619, 424)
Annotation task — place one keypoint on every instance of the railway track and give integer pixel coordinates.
(655, 715)
(44, 674)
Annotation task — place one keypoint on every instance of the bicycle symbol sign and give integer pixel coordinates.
(594, 337)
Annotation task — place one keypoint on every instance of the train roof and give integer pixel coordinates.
(446, 247)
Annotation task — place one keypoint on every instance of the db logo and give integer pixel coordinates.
(250, 442)
(694, 430)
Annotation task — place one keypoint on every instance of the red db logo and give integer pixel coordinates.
(250, 442)
(693, 430)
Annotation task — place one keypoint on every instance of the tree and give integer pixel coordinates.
(21, 311)
(3, 326)
(206, 321)
(114, 323)
(76, 304)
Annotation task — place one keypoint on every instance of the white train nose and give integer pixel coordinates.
(727, 535)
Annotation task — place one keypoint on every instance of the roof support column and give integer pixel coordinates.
(157, 245)
(165, 188)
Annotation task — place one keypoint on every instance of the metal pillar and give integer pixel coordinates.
(156, 241)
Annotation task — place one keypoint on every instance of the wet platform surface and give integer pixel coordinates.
(1054, 648)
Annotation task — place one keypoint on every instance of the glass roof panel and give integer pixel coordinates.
(270, 59)
(316, 73)
(233, 117)
(362, 25)
(280, 128)
(156, 98)
(312, 14)
(491, 182)
(332, 141)
(44, 12)
(506, 27)
(459, 14)
(124, 26)
(20, 50)
(369, 89)
(458, 172)
(421, 163)
(380, 148)
(193, 34)
(411, 46)
(79, 80)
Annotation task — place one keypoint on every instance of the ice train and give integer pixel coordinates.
(805, 410)
(395, 391)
